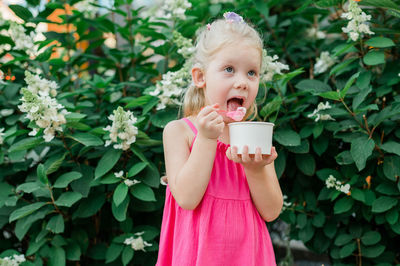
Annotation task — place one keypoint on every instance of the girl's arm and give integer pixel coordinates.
(189, 172)
(263, 183)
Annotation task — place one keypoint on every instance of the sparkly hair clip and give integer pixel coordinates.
(231, 17)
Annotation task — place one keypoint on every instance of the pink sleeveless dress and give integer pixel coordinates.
(225, 229)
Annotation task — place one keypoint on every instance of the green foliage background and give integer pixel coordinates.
(69, 206)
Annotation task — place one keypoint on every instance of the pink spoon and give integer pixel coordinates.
(235, 115)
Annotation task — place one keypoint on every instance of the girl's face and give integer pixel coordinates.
(232, 76)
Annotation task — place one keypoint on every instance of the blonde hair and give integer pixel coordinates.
(210, 40)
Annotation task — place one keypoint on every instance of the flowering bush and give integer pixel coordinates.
(83, 107)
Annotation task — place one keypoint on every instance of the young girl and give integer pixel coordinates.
(217, 201)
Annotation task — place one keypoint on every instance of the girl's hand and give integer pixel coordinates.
(253, 162)
(210, 123)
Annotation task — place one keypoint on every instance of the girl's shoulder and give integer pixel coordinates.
(178, 129)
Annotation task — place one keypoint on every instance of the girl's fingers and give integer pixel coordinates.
(258, 156)
(245, 154)
(234, 154)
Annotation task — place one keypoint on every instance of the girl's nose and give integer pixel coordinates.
(240, 83)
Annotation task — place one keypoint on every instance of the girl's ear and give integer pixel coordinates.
(198, 77)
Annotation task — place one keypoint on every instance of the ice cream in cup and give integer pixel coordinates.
(252, 134)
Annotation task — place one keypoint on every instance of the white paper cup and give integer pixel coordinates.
(252, 134)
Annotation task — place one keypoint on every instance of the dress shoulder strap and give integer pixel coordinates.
(190, 124)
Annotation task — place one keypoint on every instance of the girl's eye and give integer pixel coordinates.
(229, 69)
(252, 73)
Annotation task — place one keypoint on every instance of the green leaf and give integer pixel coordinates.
(391, 167)
(319, 219)
(391, 147)
(358, 194)
(287, 137)
(41, 173)
(304, 147)
(344, 158)
(161, 119)
(26, 144)
(21, 12)
(26, 210)
(306, 163)
(67, 199)
(373, 252)
(359, 98)
(271, 107)
(364, 80)
(373, 58)
(29, 187)
(313, 86)
(120, 211)
(392, 216)
(348, 85)
(328, 3)
(361, 149)
(107, 162)
(66, 178)
(380, 42)
(347, 250)
(371, 238)
(136, 169)
(332, 95)
(113, 252)
(343, 205)
(90, 206)
(74, 117)
(73, 251)
(127, 255)
(120, 193)
(343, 239)
(341, 66)
(54, 163)
(35, 246)
(382, 4)
(87, 139)
(143, 192)
(383, 204)
(45, 55)
(57, 257)
(56, 224)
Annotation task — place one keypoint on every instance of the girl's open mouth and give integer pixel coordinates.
(234, 103)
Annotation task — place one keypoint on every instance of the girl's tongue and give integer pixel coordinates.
(233, 105)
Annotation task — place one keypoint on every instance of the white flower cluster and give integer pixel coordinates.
(270, 67)
(13, 260)
(23, 41)
(357, 21)
(1, 135)
(315, 33)
(41, 108)
(122, 131)
(173, 9)
(87, 8)
(318, 116)
(41, 86)
(127, 181)
(1, 74)
(136, 242)
(186, 48)
(324, 61)
(171, 87)
(286, 204)
(331, 182)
